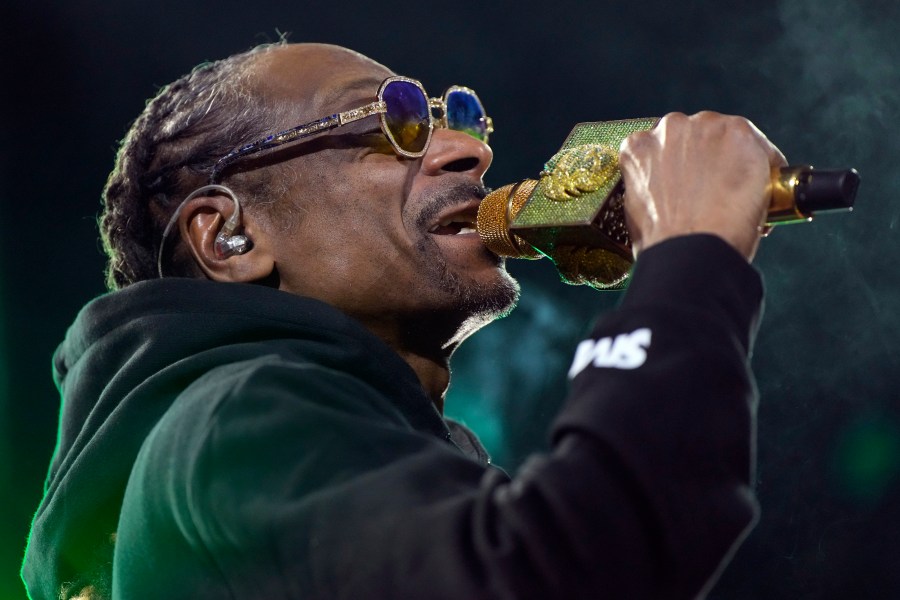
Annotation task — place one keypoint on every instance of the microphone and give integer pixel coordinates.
(574, 212)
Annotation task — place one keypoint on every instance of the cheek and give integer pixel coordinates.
(355, 228)
(351, 253)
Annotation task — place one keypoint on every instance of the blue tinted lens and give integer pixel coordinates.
(465, 113)
(407, 116)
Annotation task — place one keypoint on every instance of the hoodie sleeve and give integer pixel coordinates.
(284, 480)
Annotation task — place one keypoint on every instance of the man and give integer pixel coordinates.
(256, 412)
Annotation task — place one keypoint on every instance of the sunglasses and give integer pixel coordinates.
(407, 120)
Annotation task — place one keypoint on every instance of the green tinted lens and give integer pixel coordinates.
(407, 117)
(465, 113)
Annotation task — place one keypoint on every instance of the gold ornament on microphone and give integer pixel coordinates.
(576, 171)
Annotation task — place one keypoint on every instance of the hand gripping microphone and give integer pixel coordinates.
(574, 212)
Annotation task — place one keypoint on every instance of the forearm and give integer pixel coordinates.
(682, 424)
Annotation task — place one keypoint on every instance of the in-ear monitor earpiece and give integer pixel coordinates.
(226, 244)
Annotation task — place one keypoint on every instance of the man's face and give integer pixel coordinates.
(380, 235)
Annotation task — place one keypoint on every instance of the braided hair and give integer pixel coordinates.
(169, 151)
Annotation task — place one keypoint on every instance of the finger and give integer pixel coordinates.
(776, 157)
(631, 151)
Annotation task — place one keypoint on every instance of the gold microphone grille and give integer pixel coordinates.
(496, 212)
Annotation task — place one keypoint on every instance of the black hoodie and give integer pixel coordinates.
(223, 440)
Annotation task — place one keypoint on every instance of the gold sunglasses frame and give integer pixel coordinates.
(379, 107)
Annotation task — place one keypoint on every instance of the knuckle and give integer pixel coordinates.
(674, 117)
(719, 123)
(634, 144)
(672, 120)
(730, 128)
(708, 116)
(743, 126)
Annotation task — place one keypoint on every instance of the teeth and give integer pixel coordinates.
(455, 225)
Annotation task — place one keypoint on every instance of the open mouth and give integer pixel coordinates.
(454, 226)
(460, 222)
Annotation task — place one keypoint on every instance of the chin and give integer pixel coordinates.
(481, 302)
(493, 300)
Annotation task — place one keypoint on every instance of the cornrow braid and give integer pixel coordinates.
(168, 152)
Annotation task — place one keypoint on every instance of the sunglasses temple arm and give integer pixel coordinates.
(275, 140)
(355, 114)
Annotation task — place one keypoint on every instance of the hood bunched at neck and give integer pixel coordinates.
(123, 362)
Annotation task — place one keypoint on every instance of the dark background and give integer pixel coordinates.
(821, 78)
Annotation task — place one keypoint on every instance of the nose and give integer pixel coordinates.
(456, 152)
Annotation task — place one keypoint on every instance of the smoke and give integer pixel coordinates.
(844, 73)
(832, 319)
(826, 89)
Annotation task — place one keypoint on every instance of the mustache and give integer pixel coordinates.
(448, 198)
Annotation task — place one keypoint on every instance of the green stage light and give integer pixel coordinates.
(868, 457)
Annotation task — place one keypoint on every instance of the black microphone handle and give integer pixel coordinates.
(801, 192)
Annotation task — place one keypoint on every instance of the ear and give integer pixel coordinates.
(202, 219)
